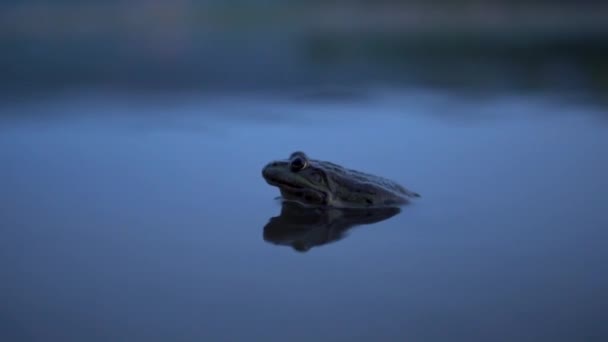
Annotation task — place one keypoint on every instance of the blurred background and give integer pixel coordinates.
(254, 45)
(133, 135)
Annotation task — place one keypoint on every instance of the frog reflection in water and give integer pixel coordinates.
(305, 227)
(321, 183)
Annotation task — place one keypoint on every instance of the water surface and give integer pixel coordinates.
(131, 218)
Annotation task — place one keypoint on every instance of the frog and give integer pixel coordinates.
(318, 183)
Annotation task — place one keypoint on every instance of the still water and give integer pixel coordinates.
(147, 218)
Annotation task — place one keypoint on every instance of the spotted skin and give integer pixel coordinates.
(322, 183)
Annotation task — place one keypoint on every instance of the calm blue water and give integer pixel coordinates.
(142, 219)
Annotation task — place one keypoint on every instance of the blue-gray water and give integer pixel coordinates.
(128, 218)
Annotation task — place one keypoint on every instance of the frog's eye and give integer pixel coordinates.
(298, 164)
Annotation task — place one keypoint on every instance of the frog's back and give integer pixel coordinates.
(353, 186)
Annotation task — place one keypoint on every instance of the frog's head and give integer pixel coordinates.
(299, 179)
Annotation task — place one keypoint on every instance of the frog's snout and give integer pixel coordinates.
(269, 170)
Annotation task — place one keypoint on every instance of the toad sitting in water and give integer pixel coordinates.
(320, 183)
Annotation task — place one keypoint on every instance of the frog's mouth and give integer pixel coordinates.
(299, 193)
(283, 184)
(293, 190)
(302, 195)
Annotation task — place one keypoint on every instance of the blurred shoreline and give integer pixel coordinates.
(249, 46)
(68, 19)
